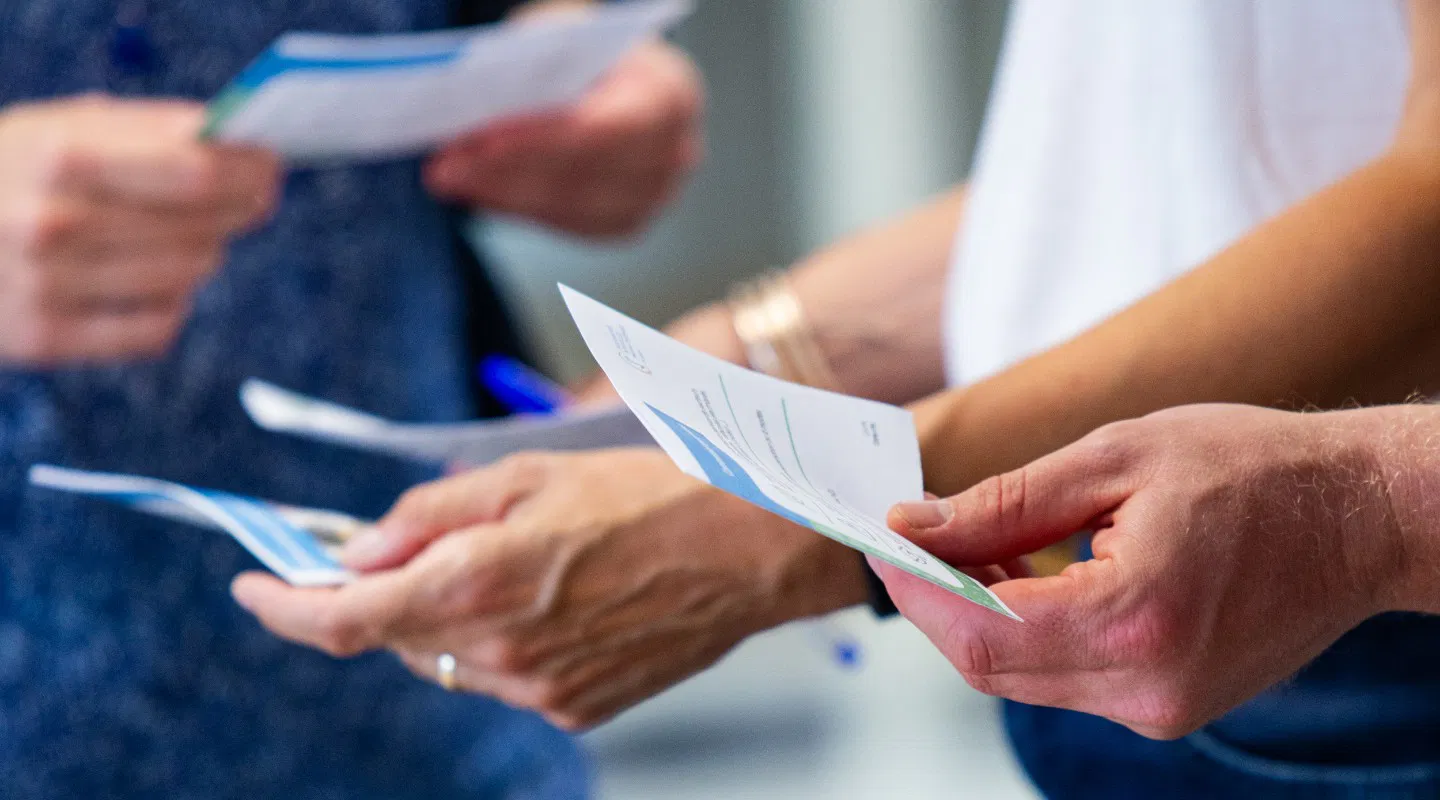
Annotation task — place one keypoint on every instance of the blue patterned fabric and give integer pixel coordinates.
(125, 668)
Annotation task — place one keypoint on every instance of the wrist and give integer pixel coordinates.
(709, 329)
(1404, 440)
(822, 576)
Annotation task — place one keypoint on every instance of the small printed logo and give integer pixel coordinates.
(627, 350)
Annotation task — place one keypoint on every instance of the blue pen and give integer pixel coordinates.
(519, 388)
(131, 51)
(522, 390)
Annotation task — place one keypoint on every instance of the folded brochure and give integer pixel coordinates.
(283, 539)
(832, 463)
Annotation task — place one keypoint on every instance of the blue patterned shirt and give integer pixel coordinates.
(125, 668)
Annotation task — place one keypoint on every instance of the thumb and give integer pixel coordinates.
(429, 511)
(1016, 513)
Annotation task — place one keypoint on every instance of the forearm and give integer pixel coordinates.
(1336, 300)
(1405, 479)
(874, 301)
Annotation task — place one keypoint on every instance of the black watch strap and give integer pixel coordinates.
(880, 601)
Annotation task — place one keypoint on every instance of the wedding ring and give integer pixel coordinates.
(445, 672)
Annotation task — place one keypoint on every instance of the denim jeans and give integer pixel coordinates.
(1072, 756)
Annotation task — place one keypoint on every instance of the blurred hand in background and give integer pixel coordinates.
(112, 214)
(601, 169)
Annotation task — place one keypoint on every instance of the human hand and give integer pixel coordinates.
(601, 169)
(1232, 545)
(112, 213)
(574, 584)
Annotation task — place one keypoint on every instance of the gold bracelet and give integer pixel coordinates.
(777, 337)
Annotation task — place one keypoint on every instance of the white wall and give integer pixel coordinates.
(824, 115)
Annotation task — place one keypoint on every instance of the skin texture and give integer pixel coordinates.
(112, 214)
(565, 583)
(1232, 545)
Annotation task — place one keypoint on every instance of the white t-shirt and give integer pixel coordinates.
(1129, 140)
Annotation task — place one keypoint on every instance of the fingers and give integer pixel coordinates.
(517, 692)
(599, 169)
(149, 154)
(982, 644)
(432, 510)
(112, 214)
(342, 621)
(143, 330)
(1019, 512)
(238, 183)
(167, 277)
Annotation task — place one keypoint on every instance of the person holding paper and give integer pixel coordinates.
(144, 274)
(1177, 201)
(1307, 524)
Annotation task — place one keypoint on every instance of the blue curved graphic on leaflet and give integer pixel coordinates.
(722, 471)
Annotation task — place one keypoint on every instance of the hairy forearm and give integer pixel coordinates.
(1404, 441)
(874, 301)
(1336, 300)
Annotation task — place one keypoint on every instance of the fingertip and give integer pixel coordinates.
(187, 117)
(896, 521)
(248, 589)
(375, 547)
(914, 517)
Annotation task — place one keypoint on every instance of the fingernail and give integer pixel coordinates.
(368, 546)
(874, 563)
(929, 514)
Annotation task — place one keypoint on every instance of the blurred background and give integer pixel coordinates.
(825, 116)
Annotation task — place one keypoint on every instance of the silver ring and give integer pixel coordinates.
(445, 671)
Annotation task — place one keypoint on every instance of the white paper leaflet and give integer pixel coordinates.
(470, 443)
(291, 542)
(826, 461)
(320, 97)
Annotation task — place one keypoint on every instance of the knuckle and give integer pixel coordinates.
(65, 161)
(1000, 499)
(524, 469)
(512, 657)
(1112, 444)
(1168, 714)
(1148, 635)
(983, 684)
(339, 636)
(49, 229)
(973, 656)
(550, 696)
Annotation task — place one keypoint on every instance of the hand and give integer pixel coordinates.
(112, 213)
(1232, 545)
(601, 169)
(574, 584)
